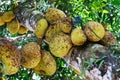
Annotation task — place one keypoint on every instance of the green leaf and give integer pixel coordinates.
(105, 11)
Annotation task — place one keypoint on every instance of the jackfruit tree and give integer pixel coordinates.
(59, 40)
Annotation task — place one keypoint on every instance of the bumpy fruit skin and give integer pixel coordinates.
(65, 25)
(10, 57)
(22, 30)
(1, 21)
(47, 65)
(78, 37)
(94, 31)
(60, 45)
(41, 28)
(8, 16)
(13, 26)
(108, 39)
(52, 31)
(30, 55)
(54, 14)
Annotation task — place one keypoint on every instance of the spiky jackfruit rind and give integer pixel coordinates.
(78, 37)
(13, 26)
(60, 44)
(52, 31)
(54, 14)
(65, 25)
(8, 16)
(108, 39)
(47, 65)
(30, 55)
(94, 31)
(22, 30)
(1, 21)
(62, 25)
(10, 56)
(41, 28)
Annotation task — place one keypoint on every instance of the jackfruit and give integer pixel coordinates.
(10, 57)
(65, 25)
(54, 14)
(8, 16)
(1, 21)
(30, 55)
(22, 30)
(47, 65)
(52, 31)
(41, 28)
(13, 26)
(60, 44)
(94, 31)
(78, 37)
(109, 39)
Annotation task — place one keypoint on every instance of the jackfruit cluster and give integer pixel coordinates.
(57, 30)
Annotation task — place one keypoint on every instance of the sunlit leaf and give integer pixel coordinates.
(105, 11)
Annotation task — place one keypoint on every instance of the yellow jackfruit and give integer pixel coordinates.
(65, 25)
(22, 30)
(13, 26)
(10, 57)
(108, 39)
(47, 65)
(30, 55)
(60, 44)
(41, 28)
(54, 14)
(52, 31)
(1, 21)
(8, 16)
(94, 31)
(78, 37)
